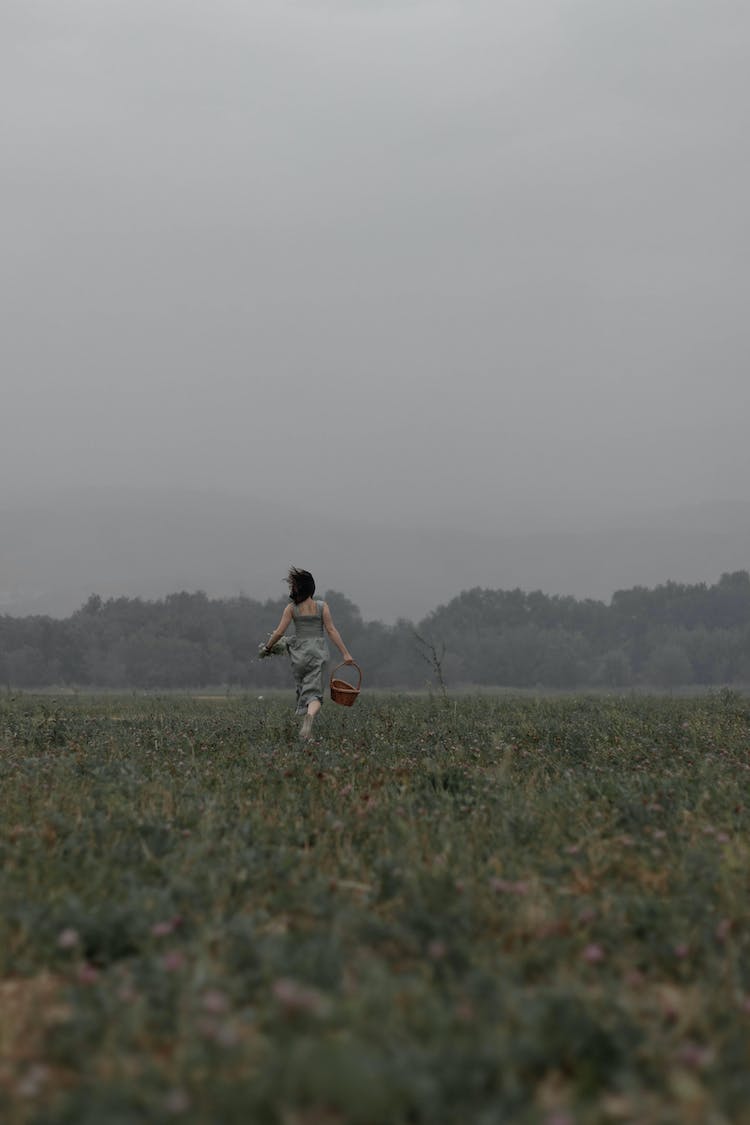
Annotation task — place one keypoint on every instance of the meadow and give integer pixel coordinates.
(478, 910)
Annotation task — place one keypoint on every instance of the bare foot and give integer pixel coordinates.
(307, 723)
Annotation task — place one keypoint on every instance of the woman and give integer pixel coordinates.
(308, 650)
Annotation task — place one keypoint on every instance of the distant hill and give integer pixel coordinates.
(54, 554)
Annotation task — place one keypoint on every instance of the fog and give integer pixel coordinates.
(460, 268)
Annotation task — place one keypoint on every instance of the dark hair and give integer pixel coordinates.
(301, 585)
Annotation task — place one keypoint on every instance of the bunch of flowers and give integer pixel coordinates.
(279, 649)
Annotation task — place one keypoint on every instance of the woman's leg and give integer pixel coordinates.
(312, 709)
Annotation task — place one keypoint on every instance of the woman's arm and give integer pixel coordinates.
(334, 634)
(280, 629)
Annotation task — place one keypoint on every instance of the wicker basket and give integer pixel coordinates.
(343, 692)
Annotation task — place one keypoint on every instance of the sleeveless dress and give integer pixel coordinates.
(308, 653)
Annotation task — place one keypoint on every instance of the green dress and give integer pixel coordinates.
(308, 652)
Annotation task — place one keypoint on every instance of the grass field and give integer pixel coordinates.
(480, 911)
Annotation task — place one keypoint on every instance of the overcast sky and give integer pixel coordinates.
(459, 261)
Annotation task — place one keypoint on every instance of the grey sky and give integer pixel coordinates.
(476, 260)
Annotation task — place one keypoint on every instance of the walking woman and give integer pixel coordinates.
(308, 649)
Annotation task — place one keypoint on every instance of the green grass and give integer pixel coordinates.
(485, 910)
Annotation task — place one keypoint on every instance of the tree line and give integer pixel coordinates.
(664, 637)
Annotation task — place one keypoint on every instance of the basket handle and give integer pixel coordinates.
(353, 664)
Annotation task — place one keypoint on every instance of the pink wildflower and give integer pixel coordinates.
(723, 929)
(168, 926)
(593, 954)
(214, 1001)
(508, 887)
(695, 1056)
(299, 999)
(173, 961)
(68, 938)
(161, 929)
